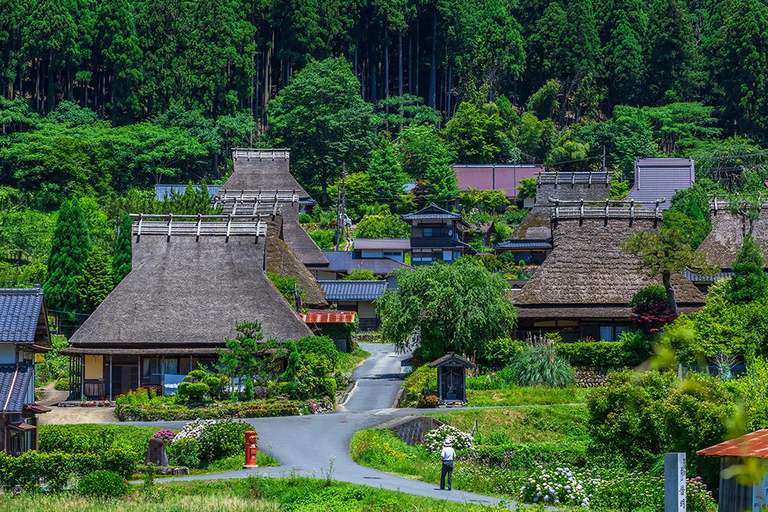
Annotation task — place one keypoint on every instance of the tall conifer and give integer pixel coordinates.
(749, 282)
(69, 250)
(95, 281)
(122, 257)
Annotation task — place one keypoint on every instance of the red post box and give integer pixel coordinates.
(250, 449)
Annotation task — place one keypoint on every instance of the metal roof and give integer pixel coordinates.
(345, 262)
(524, 244)
(506, 177)
(164, 192)
(395, 244)
(352, 290)
(15, 381)
(754, 444)
(20, 310)
(700, 278)
(318, 316)
(432, 212)
(660, 178)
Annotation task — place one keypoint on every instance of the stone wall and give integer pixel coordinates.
(411, 429)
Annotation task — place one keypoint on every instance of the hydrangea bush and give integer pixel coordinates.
(193, 429)
(558, 486)
(461, 441)
(166, 435)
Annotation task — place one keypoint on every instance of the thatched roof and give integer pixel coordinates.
(728, 231)
(588, 274)
(262, 179)
(566, 186)
(190, 291)
(262, 169)
(281, 259)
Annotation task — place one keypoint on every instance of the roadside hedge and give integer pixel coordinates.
(253, 409)
(596, 353)
(56, 468)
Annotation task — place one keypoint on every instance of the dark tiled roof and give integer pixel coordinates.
(20, 311)
(700, 278)
(524, 244)
(452, 359)
(352, 290)
(432, 212)
(14, 385)
(343, 261)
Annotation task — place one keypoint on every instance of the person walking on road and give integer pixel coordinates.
(447, 455)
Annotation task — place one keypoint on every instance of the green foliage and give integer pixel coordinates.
(96, 280)
(749, 281)
(122, 258)
(173, 412)
(222, 439)
(648, 296)
(499, 352)
(477, 136)
(192, 391)
(386, 172)
(324, 238)
(540, 365)
(248, 357)
(287, 286)
(324, 120)
(382, 226)
(488, 200)
(102, 484)
(312, 361)
(542, 103)
(420, 148)
(527, 188)
(360, 191)
(360, 275)
(603, 354)
(184, 452)
(69, 252)
(453, 308)
(419, 379)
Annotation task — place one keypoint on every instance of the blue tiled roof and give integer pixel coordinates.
(352, 290)
(19, 313)
(700, 278)
(163, 192)
(13, 391)
(524, 244)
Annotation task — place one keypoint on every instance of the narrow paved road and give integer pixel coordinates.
(310, 445)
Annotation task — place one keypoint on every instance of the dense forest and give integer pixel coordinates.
(102, 99)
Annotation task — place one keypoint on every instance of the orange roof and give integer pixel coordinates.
(315, 316)
(754, 444)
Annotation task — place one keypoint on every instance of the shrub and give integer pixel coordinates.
(193, 391)
(192, 430)
(461, 441)
(253, 409)
(321, 345)
(559, 486)
(304, 218)
(427, 401)
(493, 380)
(594, 353)
(329, 387)
(166, 435)
(102, 484)
(185, 452)
(499, 352)
(53, 470)
(120, 461)
(61, 385)
(421, 378)
(222, 439)
(540, 365)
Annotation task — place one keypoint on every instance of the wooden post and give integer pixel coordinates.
(110, 377)
(139, 374)
(82, 378)
(674, 482)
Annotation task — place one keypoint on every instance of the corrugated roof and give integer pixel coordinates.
(314, 316)
(15, 381)
(524, 244)
(506, 177)
(20, 314)
(754, 444)
(396, 244)
(345, 262)
(700, 278)
(352, 290)
(660, 178)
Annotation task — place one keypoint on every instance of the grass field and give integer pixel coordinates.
(526, 396)
(247, 495)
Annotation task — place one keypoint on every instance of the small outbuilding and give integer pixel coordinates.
(452, 377)
(735, 496)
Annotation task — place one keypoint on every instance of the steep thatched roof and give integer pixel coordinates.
(282, 260)
(565, 186)
(262, 169)
(728, 231)
(190, 291)
(262, 179)
(588, 274)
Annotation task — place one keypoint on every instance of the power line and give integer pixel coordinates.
(728, 157)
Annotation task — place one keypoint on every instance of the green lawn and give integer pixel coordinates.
(348, 361)
(252, 494)
(526, 396)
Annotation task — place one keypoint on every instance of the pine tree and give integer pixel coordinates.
(750, 282)
(69, 250)
(95, 281)
(122, 257)
(385, 171)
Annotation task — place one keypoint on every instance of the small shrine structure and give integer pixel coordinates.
(452, 377)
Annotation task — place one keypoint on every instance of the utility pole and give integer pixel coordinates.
(604, 170)
(344, 201)
(341, 197)
(338, 215)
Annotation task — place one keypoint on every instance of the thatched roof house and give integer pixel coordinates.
(193, 281)
(729, 227)
(263, 176)
(584, 287)
(565, 186)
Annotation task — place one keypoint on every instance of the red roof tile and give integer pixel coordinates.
(754, 444)
(328, 317)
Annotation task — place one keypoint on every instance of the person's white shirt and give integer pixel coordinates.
(447, 454)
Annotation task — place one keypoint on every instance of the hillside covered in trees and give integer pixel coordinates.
(100, 100)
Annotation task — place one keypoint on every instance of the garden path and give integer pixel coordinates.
(314, 445)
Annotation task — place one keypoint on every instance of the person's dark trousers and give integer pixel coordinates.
(447, 470)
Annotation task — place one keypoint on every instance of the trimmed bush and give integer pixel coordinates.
(193, 391)
(427, 401)
(222, 439)
(102, 484)
(52, 469)
(595, 353)
(254, 409)
(499, 352)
